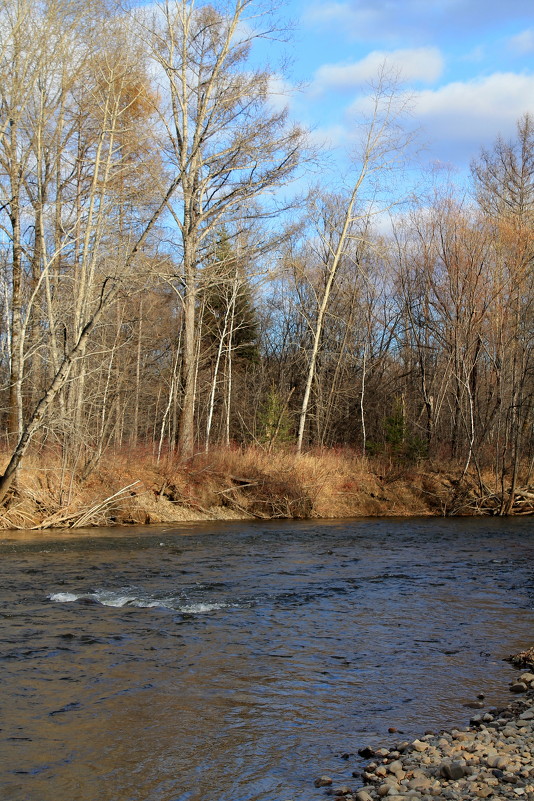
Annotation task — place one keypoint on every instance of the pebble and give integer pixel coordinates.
(493, 758)
(419, 746)
(453, 770)
(518, 687)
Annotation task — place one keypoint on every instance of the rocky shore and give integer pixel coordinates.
(491, 758)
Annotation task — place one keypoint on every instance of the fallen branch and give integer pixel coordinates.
(83, 520)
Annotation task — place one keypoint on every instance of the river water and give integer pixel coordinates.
(238, 661)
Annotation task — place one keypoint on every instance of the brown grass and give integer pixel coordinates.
(132, 487)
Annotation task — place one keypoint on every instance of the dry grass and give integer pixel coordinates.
(133, 487)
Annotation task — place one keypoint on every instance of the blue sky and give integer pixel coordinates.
(468, 63)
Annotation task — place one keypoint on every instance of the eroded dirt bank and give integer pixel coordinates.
(133, 488)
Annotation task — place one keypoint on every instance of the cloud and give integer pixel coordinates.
(280, 92)
(476, 55)
(523, 43)
(480, 107)
(331, 136)
(423, 64)
(394, 20)
(460, 117)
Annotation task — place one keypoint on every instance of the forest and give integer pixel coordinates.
(176, 279)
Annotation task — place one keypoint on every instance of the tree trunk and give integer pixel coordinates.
(186, 432)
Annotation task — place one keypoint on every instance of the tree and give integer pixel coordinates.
(84, 118)
(504, 187)
(383, 147)
(225, 144)
(228, 325)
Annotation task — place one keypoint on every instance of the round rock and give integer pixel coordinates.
(452, 771)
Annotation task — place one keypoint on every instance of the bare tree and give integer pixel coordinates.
(225, 144)
(103, 111)
(504, 185)
(383, 148)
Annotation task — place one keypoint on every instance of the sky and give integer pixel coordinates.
(468, 64)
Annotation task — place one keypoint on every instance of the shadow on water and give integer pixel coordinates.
(236, 661)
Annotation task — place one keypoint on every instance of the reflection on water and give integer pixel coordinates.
(235, 662)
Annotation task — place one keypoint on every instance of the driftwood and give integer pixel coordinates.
(522, 502)
(493, 503)
(524, 659)
(83, 517)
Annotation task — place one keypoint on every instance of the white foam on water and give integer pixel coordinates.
(106, 598)
(113, 599)
(63, 597)
(196, 608)
(119, 600)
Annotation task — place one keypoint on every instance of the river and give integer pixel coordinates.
(238, 661)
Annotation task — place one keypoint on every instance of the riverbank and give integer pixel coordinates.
(491, 758)
(133, 487)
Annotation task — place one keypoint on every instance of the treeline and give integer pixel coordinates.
(161, 289)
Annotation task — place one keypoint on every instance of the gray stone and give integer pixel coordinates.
(449, 792)
(497, 761)
(369, 777)
(452, 771)
(510, 778)
(518, 687)
(421, 784)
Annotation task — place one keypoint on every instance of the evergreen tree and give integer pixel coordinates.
(226, 302)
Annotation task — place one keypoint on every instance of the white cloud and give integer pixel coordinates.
(460, 117)
(280, 92)
(478, 108)
(423, 64)
(476, 55)
(331, 136)
(523, 43)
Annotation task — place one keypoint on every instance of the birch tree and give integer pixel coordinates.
(226, 145)
(383, 147)
(102, 111)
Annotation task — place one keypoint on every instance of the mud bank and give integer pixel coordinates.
(221, 487)
(252, 483)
